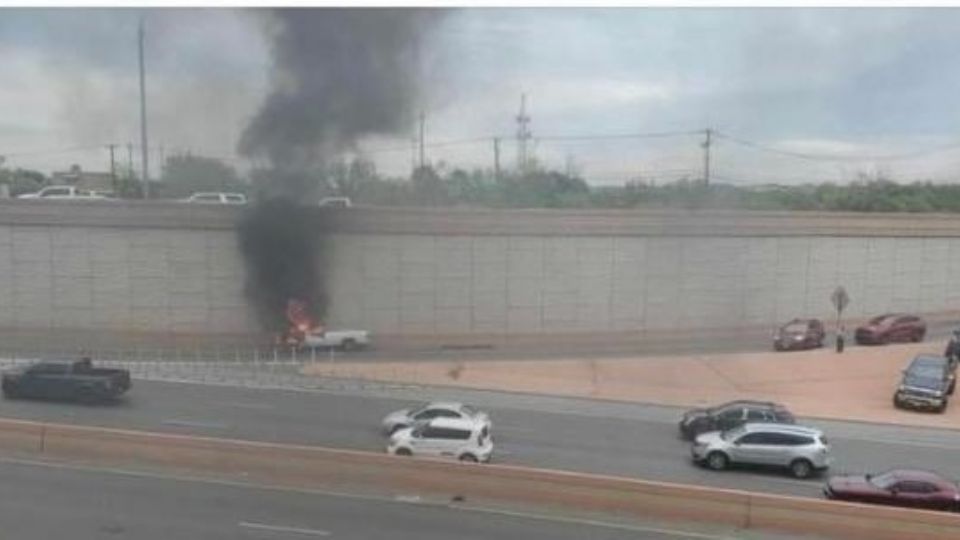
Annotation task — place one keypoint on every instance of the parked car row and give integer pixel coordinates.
(802, 334)
(765, 435)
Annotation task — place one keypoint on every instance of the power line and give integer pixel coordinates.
(827, 157)
(598, 137)
(52, 151)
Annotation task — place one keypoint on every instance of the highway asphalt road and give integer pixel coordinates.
(40, 502)
(621, 439)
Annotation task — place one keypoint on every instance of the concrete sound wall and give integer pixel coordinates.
(174, 269)
(120, 268)
(573, 272)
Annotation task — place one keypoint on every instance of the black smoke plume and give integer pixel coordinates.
(283, 256)
(339, 75)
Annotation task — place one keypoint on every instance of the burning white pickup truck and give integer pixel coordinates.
(304, 333)
(348, 340)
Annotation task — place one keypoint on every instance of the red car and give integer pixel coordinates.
(891, 327)
(909, 488)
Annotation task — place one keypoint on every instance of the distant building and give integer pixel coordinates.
(98, 181)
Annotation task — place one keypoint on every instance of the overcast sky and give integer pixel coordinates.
(859, 84)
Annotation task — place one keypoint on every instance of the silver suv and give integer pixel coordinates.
(802, 450)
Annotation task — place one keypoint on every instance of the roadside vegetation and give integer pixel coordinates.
(445, 186)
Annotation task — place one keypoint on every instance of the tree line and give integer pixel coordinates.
(537, 187)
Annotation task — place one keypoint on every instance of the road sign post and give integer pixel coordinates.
(840, 299)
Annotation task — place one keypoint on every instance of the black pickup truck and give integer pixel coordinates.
(66, 380)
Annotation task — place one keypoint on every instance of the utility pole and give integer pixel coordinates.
(113, 168)
(706, 156)
(423, 160)
(143, 119)
(523, 134)
(413, 156)
(130, 158)
(496, 158)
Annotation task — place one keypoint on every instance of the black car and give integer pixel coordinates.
(927, 383)
(732, 414)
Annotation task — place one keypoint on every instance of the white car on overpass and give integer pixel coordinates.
(424, 412)
(216, 198)
(64, 193)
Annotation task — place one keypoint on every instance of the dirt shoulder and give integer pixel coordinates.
(855, 385)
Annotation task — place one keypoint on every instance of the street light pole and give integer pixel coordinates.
(143, 119)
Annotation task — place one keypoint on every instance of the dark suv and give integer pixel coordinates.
(927, 382)
(731, 415)
(891, 327)
(799, 334)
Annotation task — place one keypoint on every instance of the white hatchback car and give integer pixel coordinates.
(461, 439)
(405, 418)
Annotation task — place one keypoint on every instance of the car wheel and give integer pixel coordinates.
(10, 392)
(777, 346)
(801, 468)
(469, 458)
(896, 401)
(403, 452)
(717, 461)
(350, 345)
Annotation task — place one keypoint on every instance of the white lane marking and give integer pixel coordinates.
(257, 406)
(595, 523)
(193, 423)
(282, 529)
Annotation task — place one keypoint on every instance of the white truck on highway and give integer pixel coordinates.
(348, 340)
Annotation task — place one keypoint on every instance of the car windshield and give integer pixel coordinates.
(795, 327)
(883, 481)
(732, 434)
(417, 409)
(928, 381)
